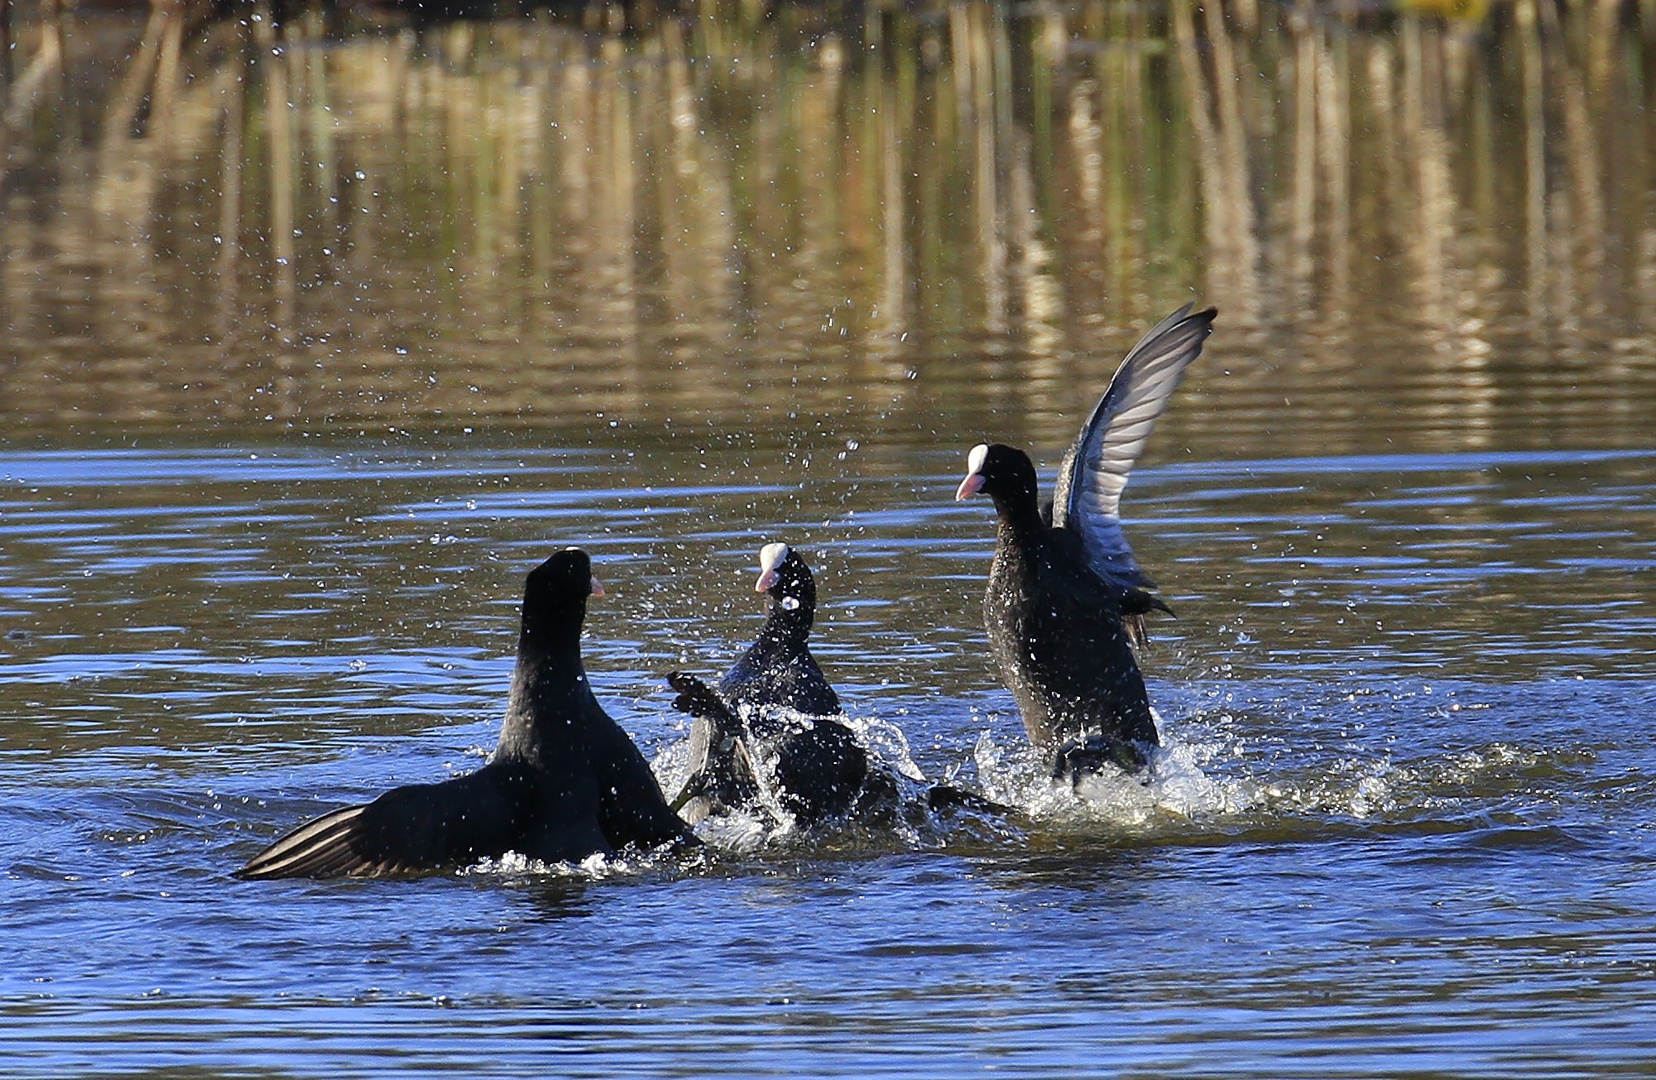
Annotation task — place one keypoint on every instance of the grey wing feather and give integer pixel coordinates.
(1096, 468)
(722, 775)
(321, 848)
(410, 829)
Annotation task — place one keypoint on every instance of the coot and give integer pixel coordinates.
(778, 668)
(565, 781)
(1066, 595)
(772, 728)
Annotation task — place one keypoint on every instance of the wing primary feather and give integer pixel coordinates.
(319, 848)
(1096, 468)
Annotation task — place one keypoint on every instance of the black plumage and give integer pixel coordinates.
(812, 766)
(772, 726)
(1066, 596)
(565, 780)
(778, 668)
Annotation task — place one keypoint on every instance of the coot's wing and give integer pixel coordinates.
(322, 848)
(631, 808)
(407, 830)
(1095, 470)
(720, 770)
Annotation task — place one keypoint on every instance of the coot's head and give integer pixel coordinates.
(1002, 472)
(558, 588)
(784, 576)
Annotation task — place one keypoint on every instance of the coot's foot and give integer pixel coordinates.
(1089, 756)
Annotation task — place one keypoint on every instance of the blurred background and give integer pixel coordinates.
(246, 221)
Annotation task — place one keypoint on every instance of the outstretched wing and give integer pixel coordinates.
(407, 830)
(325, 847)
(1095, 470)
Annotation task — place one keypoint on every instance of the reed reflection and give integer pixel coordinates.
(897, 219)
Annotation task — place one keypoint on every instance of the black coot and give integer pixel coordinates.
(812, 767)
(565, 781)
(1065, 594)
(778, 668)
(772, 727)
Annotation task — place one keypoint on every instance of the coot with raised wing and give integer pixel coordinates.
(1066, 596)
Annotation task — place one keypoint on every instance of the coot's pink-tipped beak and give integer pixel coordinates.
(597, 587)
(975, 461)
(771, 558)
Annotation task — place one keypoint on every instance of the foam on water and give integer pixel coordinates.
(595, 866)
(1174, 786)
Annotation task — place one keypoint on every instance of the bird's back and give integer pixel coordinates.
(769, 674)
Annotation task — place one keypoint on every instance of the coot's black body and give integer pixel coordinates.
(811, 766)
(1066, 596)
(772, 726)
(565, 781)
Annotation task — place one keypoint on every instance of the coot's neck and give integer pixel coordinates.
(549, 685)
(1020, 515)
(787, 628)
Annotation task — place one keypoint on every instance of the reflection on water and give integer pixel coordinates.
(316, 338)
(900, 222)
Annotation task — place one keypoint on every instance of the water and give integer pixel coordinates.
(1400, 825)
(1400, 816)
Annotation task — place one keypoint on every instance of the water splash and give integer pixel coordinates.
(596, 866)
(886, 744)
(1173, 787)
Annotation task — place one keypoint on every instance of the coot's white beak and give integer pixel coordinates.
(771, 558)
(597, 587)
(974, 473)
